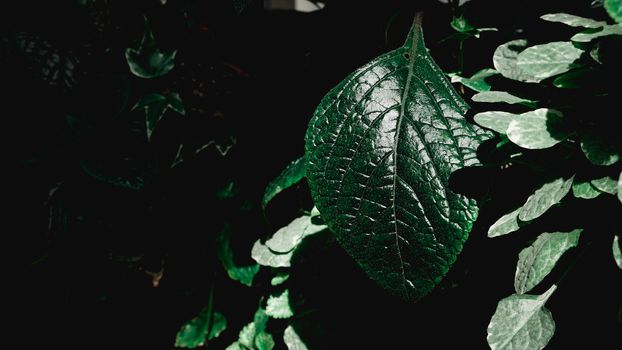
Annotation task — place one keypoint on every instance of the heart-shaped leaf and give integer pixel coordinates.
(380, 149)
(147, 61)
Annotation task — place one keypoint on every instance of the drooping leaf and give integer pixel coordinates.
(501, 96)
(585, 190)
(521, 322)
(614, 9)
(573, 21)
(155, 106)
(505, 61)
(287, 238)
(545, 197)
(380, 148)
(243, 274)
(617, 253)
(477, 81)
(598, 150)
(292, 340)
(196, 332)
(291, 175)
(278, 306)
(606, 184)
(542, 128)
(147, 61)
(506, 224)
(591, 34)
(548, 60)
(537, 261)
(495, 120)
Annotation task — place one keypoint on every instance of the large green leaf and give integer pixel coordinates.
(542, 128)
(547, 60)
(572, 20)
(505, 60)
(614, 9)
(380, 148)
(292, 174)
(544, 198)
(521, 322)
(147, 61)
(537, 260)
(244, 274)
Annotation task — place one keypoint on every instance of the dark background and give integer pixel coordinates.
(81, 251)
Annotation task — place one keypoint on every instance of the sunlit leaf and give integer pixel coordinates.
(505, 60)
(544, 198)
(501, 97)
(506, 224)
(495, 120)
(278, 305)
(548, 60)
(542, 128)
(573, 21)
(591, 34)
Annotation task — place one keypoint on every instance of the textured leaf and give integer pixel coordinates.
(585, 190)
(380, 148)
(477, 81)
(265, 257)
(147, 61)
(196, 332)
(537, 261)
(606, 184)
(287, 238)
(244, 274)
(247, 335)
(573, 21)
(278, 306)
(521, 322)
(591, 34)
(542, 128)
(501, 96)
(506, 224)
(505, 61)
(617, 253)
(547, 60)
(291, 175)
(545, 197)
(598, 150)
(156, 105)
(495, 120)
(292, 340)
(614, 9)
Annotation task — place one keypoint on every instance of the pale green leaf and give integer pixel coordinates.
(292, 340)
(264, 341)
(265, 257)
(477, 81)
(521, 322)
(501, 97)
(505, 61)
(614, 9)
(460, 24)
(585, 190)
(235, 346)
(291, 175)
(620, 187)
(506, 224)
(617, 254)
(278, 306)
(243, 274)
(287, 238)
(537, 129)
(247, 335)
(548, 60)
(280, 278)
(599, 150)
(591, 34)
(573, 21)
(147, 61)
(495, 120)
(537, 261)
(544, 198)
(606, 184)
